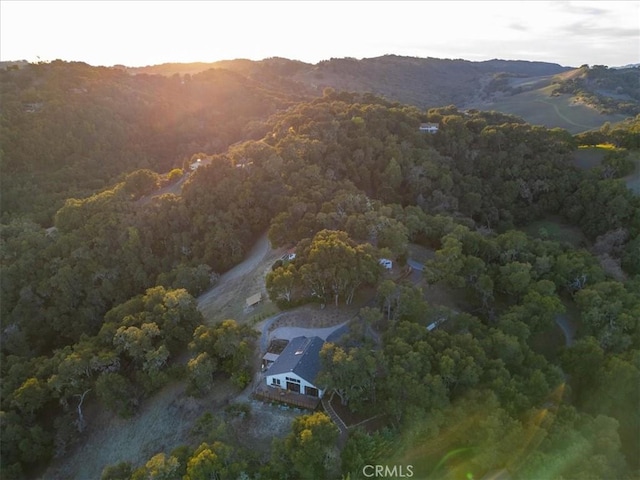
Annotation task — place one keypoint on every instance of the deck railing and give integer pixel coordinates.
(285, 396)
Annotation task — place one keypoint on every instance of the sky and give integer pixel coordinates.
(139, 33)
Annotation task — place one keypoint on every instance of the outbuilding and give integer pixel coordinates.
(253, 300)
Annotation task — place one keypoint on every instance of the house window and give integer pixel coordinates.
(294, 380)
(275, 381)
(311, 391)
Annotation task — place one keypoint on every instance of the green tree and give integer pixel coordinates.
(228, 346)
(351, 373)
(336, 266)
(610, 313)
(120, 471)
(281, 282)
(201, 370)
(215, 460)
(30, 396)
(363, 449)
(514, 278)
(310, 447)
(158, 467)
(539, 307)
(117, 393)
(140, 183)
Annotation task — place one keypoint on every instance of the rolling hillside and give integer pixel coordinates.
(423, 82)
(539, 105)
(576, 99)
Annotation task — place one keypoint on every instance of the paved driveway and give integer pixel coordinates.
(288, 333)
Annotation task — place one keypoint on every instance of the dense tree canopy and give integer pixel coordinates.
(100, 305)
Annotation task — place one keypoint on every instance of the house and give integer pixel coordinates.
(428, 127)
(436, 324)
(386, 263)
(195, 165)
(297, 367)
(289, 256)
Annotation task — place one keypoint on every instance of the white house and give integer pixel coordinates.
(195, 165)
(386, 263)
(297, 367)
(429, 127)
(289, 256)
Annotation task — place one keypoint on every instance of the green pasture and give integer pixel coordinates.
(538, 107)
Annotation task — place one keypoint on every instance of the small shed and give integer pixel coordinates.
(268, 359)
(253, 299)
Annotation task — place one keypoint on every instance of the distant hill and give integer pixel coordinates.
(576, 99)
(72, 124)
(423, 82)
(69, 122)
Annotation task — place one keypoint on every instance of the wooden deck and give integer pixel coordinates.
(264, 392)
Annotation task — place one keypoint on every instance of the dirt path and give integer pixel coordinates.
(564, 117)
(227, 298)
(175, 188)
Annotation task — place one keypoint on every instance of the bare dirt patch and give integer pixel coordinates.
(162, 424)
(264, 423)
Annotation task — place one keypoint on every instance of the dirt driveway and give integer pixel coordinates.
(227, 298)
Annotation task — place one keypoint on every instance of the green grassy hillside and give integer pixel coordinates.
(577, 99)
(541, 107)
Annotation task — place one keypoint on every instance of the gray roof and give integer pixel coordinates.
(301, 356)
(270, 357)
